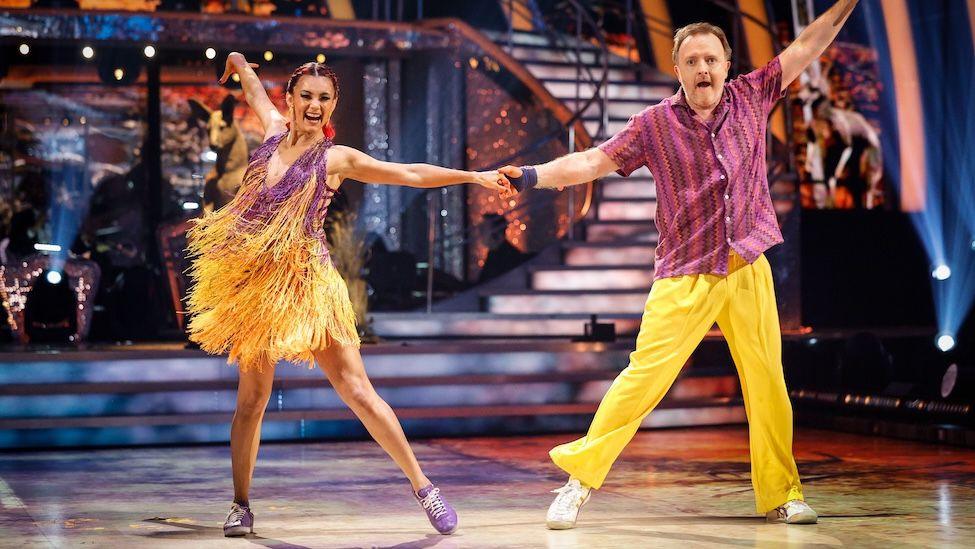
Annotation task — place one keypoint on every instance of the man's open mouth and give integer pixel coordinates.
(703, 85)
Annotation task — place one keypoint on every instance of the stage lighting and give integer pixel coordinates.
(948, 380)
(321, 59)
(941, 272)
(945, 342)
(88, 52)
(149, 51)
(210, 53)
(235, 77)
(268, 55)
(50, 311)
(958, 383)
(191, 205)
(119, 66)
(47, 247)
(24, 49)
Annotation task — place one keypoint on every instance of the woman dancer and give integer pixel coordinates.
(265, 287)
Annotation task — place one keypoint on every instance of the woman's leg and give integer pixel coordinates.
(253, 392)
(343, 366)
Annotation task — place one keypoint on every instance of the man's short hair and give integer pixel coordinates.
(687, 31)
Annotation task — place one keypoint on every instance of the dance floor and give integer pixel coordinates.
(671, 488)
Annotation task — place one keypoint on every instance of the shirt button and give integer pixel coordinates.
(722, 177)
(728, 219)
(719, 156)
(729, 240)
(714, 135)
(727, 197)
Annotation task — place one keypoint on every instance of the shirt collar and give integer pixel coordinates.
(719, 113)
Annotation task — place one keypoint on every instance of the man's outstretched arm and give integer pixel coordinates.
(571, 169)
(812, 42)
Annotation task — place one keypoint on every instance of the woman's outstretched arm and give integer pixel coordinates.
(347, 162)
(255, 94)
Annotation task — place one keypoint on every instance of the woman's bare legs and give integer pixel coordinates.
(253, 392)
(344, 369)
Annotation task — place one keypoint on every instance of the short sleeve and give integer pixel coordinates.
(765, 84)
(626, 148)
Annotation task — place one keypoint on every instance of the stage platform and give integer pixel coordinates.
(671, 488)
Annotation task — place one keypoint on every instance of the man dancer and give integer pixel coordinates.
(706, 149)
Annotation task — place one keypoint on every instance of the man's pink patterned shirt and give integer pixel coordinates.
(712, 185)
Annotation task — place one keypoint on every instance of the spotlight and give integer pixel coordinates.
(321, 59)
(191, 205)
(88, 52)
(24, 49)
(945, 342)
(50, 313)
(941, 272)
(948, 380)
(208, 156)
(210, 53)
(235, 77)
(268, 55)
(47, 247)
(119, 66)
(973, 245)
(149, 51)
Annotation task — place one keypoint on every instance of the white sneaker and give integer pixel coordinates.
(564, 510)
(793, 512)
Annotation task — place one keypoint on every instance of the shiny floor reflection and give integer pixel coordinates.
(675, 488)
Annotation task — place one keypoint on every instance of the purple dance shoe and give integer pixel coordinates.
(442, 516)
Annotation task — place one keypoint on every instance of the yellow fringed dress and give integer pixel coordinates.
(265, 288)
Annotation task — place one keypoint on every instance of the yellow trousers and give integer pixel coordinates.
(678, 314)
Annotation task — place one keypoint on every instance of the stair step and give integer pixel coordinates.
(567, 71)
(643, 72)
(489, 325)
(626, 209)
(566, 90)
(527, 54)
(615, 108)
(606, 254)
(611, 128)
(592, 277)
(634, 187)
(640, 73)
(567, 301)
(613, 231)
(344, 414)
(534, 39)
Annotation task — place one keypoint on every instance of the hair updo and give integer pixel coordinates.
(316, 69)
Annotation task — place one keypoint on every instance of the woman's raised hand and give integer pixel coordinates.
(234, 61)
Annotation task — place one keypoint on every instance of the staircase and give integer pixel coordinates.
(609, 271)
(163, 394)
